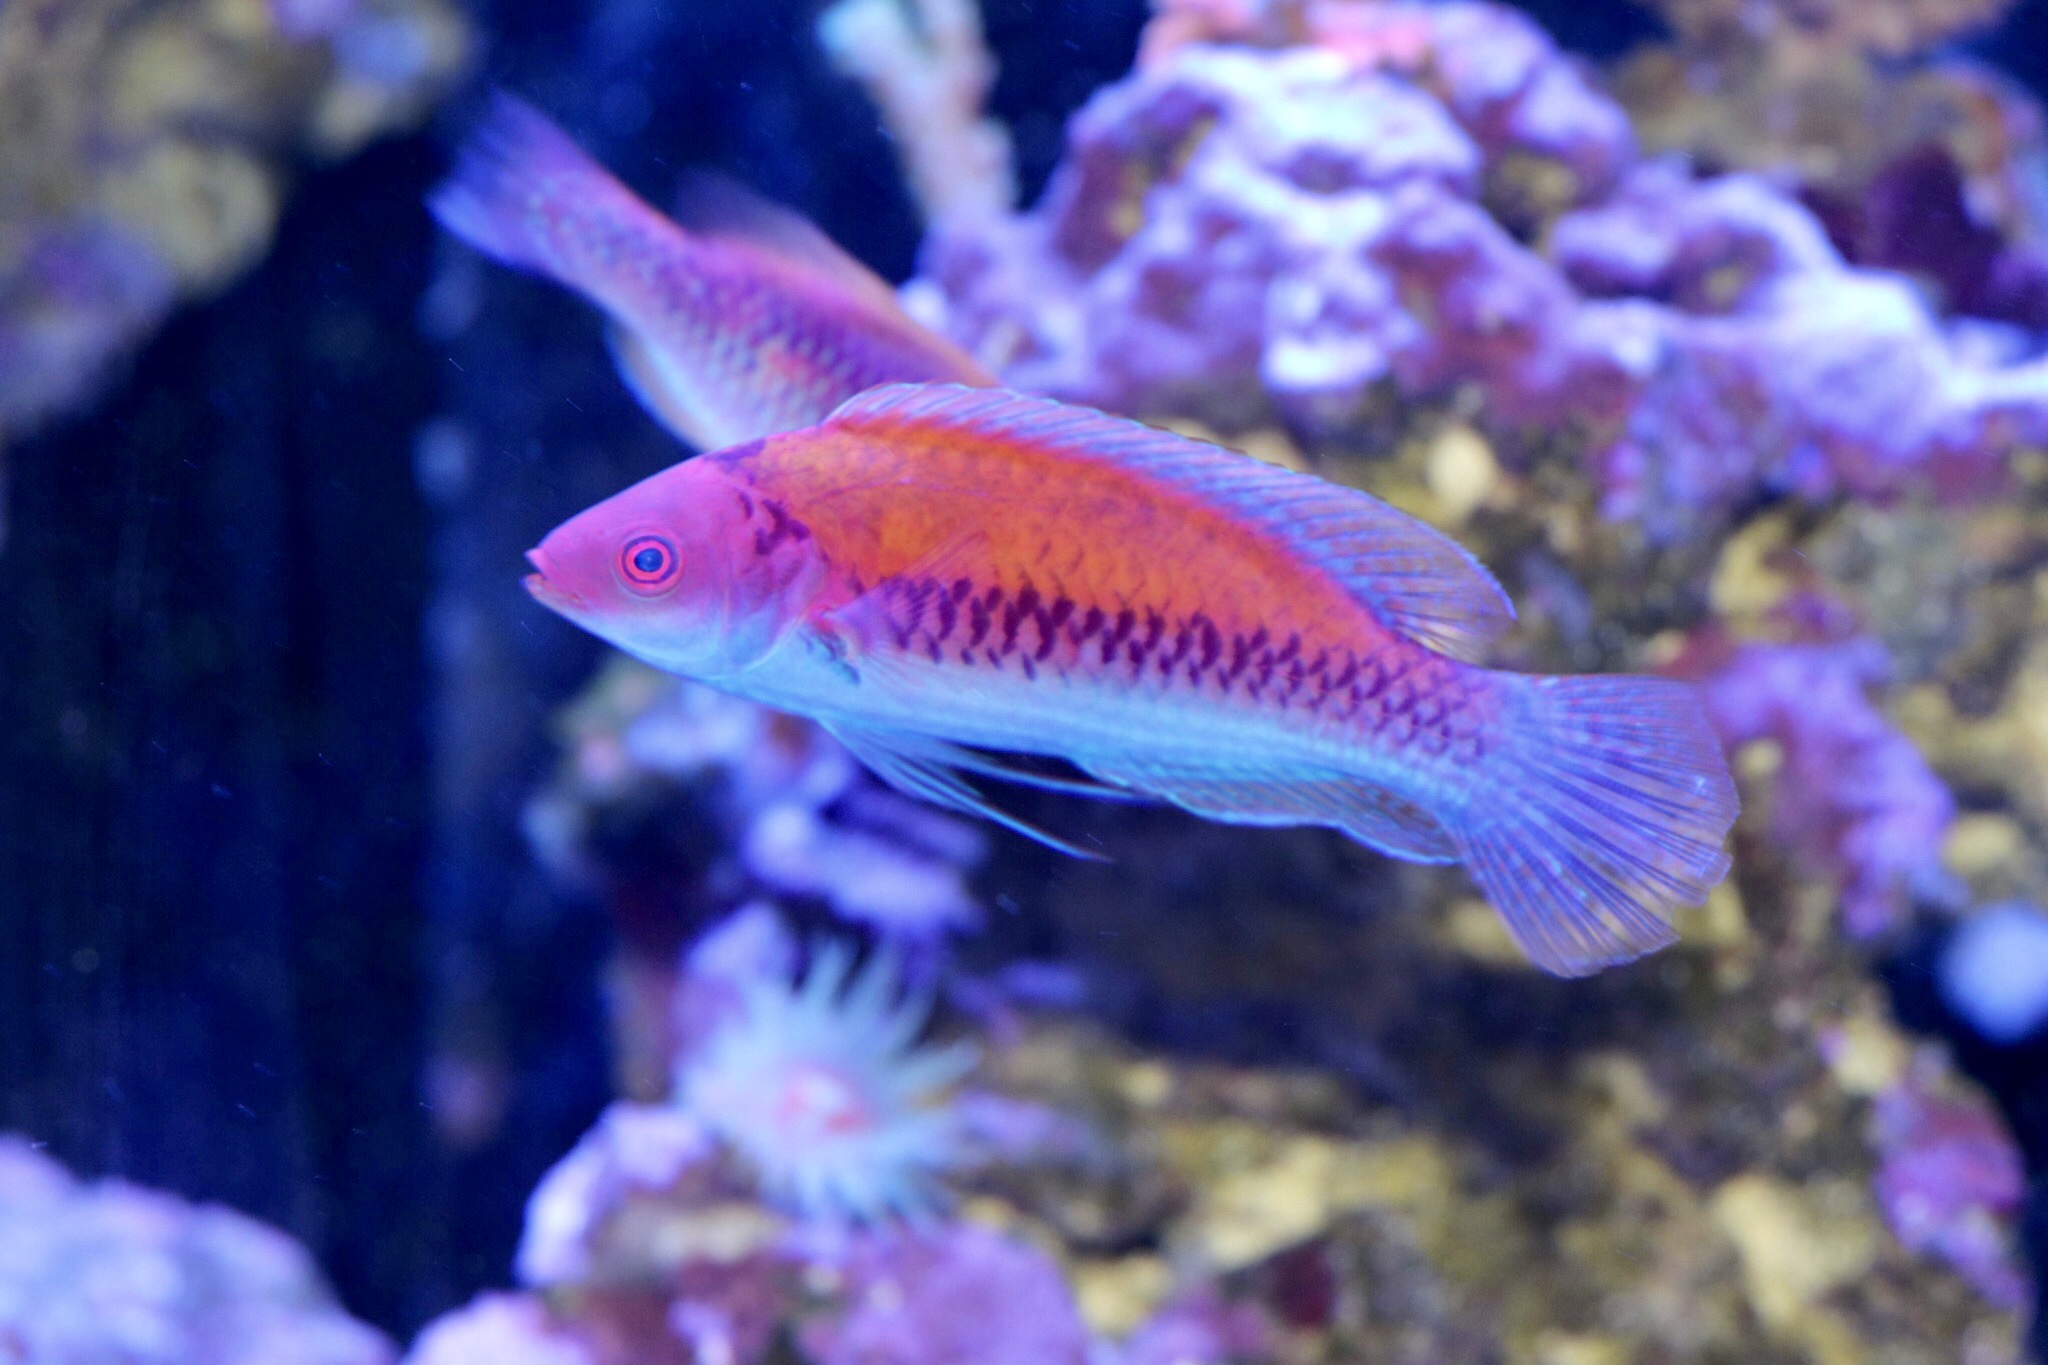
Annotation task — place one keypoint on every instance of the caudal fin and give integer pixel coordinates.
(1604, 807)
(524, 193)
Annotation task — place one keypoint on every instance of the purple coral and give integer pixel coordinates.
(634, 1150)
(111, 1274)
(1778, 367)
(1232, 267)
(1950, 1179)
(804, 818)
(1853, 794)
(647, 1211)
(1200, 1327)
(961, 1295)
(504, 1329)
(1507, 84)
(1238, 230)
(1478, 308)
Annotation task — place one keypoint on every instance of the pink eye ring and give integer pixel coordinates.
(649, 564)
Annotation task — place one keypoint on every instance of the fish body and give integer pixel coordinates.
(943, 575)
(748, 322)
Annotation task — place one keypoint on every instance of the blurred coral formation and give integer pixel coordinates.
(1852, 795)
(927, 68)
(111, 1274)
(1222, 244)
(1700, 427)
(145, 151)
(1915, 159)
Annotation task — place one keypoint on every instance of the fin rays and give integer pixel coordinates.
(930, 769)
(1369, 814)
(1607, 806)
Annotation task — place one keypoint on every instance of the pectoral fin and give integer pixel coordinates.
(930, 769)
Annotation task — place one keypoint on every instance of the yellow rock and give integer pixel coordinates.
(1474, 928)
(1796, 1243)
(208, 209)
(1274, 447)
(245, 21)
(351, 112)
(1273, 1195)
(1759, 760)
(1117, 1296)
(173, 70)
(1720, 923)
(1868, 1054)
(1146, 1084)
(1409, 1173)
(1248, 1215)
(1461, 471)
(1981, 843)
(1744, 584)
(1575, 1348)
(1630, 1095)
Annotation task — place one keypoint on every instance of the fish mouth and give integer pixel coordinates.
(545, 591)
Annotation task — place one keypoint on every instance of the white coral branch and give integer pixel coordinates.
(926, 66)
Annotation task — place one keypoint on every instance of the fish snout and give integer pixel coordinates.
(546, 590)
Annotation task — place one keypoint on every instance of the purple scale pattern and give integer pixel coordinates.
(1402, 696)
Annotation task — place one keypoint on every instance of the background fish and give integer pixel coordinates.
(937, 571)
(747, 322)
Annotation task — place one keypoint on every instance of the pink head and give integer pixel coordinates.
(690, 570)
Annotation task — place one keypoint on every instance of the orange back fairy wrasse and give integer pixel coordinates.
(747, 322)
(946, 577)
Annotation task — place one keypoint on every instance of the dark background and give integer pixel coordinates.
(272, 697)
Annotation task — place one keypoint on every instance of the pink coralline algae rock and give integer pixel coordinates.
(1199, 1328)
(1493, 69)
(501, 1329)
(643, 1251)
(1852, 793)
(109, 1274)
(656, 1242)
(960, 1295)
(1416, 202)
(1237, 271)
(1951, 1179)
(1702, 246)
(635, 1151)
(1477, 308)
(1777, 367)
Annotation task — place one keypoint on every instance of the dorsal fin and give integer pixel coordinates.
(1415, 580)
(716, 206)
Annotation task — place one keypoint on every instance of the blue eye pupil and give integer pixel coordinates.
(649, 560)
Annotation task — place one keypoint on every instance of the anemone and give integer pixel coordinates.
(819, 1085)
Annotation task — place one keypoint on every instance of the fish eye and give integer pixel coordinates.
(649, 563)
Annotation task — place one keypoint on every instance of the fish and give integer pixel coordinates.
(962, 583)
(747, 321)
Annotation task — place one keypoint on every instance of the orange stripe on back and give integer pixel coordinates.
(900, 499)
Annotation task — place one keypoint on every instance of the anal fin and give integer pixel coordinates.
(1267, 796)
